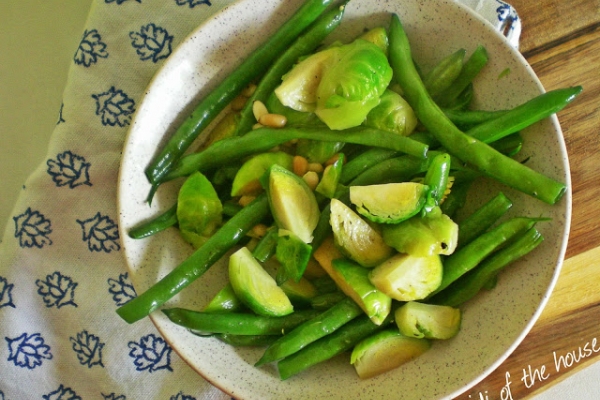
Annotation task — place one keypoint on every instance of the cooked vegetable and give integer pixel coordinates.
(250, 68)
(385, 351)
(340, 84)
(483, 218)
(357, 239)
(354, 280)
(444, 73)
(392, 114)
(468, 257)
(404, 277)
(293, 204)
(429, 321)
(255, 287)
(237, 323)
(163, 221)
(225, 301)
(471, 283)
(423, 236)
(246, 181)
(199, 210)
(302, 46)
(389, 203)
(229, 150)
(293, 254)
(331, 177)
(311, 330)
(470, 150)
(230, 233)
(343, 339)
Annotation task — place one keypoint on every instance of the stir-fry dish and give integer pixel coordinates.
(332, 183)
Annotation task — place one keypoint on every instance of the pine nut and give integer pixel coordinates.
(249, 90)
(300, 165)
(259, 230)
(259, 109)
(273, 120)
(312, 179)
(333, 159)
(245, 200)
(238, 103)
(316, 167)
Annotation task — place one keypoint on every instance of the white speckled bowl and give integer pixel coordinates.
(494, 323)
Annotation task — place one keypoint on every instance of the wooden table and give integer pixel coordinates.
(561, 40)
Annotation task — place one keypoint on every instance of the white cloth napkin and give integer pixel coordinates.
(62, 272)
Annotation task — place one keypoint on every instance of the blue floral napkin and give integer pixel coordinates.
(62, 272)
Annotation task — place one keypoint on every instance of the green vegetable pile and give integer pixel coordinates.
(336, 187)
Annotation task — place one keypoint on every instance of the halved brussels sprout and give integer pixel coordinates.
(385, 351)
(389, 203)
(246, 180)
(356, 238)
(428, 321)
(405, 278)
(255, 287)
(199, 209)
(293, 204)
(392, 114)
(423, 236)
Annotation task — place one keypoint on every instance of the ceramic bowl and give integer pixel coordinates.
(493, 324)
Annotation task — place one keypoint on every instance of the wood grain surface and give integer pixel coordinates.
(561, 41)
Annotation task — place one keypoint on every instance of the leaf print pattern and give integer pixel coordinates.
(100, 233)
(88, 348)
(32, 229)
(28, 351)
(114, 107)
(151, 43)
(181, 396)
(506, 12)
(150, 354)
(69, 169)
(192, 3)
(60, 115)
(90, 49)
(5, 294)
(121, 289)
(57, 290)
(62, 393)
(112, 396)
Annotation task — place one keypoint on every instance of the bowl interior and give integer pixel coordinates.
(493, 323)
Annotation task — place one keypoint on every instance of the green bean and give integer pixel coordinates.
(252, 67)
(525, 114)
(364, 161)
(230, 233)
(158, 224)
(265, 248)
(444, 73)
(467, 119)
(305, 44)
(483, 218)
(237, 323)
(472, 151)
(436, 179)
(470, 284)
(329, 346)
(509, 145)
(471, 68)
(457, 198)
(246, 340)
(231, 149)
(327, 300)
(468, 257)
(310, 331)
